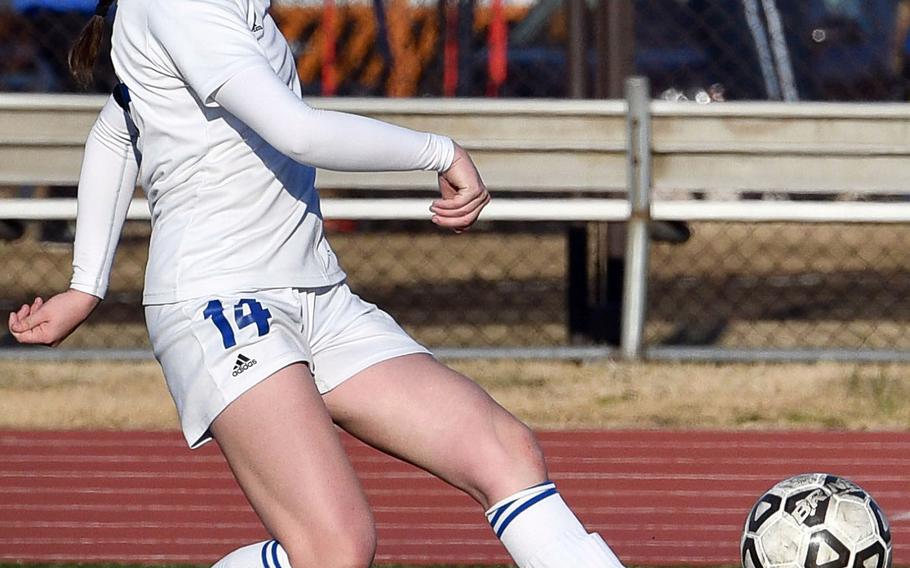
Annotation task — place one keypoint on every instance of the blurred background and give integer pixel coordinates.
(836, 50)
(711, 283)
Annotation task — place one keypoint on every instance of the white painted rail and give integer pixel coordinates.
(566, 147)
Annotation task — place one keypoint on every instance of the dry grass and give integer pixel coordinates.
(83, 396)
(545, 394)
(660, 395)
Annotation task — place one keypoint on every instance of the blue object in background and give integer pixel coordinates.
(56, 5)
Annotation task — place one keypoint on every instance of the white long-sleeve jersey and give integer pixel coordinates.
(228, 151)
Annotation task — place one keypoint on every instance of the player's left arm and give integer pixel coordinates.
(106, 186)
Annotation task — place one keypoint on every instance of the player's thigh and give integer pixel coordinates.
(214, 348)
(418, 409)
(285, 452)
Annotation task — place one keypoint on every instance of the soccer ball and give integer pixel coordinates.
(816, 520)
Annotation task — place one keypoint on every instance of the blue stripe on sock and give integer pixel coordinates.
(502, 509)
(499, 512)
(265, 559)
(275, 554)
(521, 508)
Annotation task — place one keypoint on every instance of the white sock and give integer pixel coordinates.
(540, 531)
(267, 554)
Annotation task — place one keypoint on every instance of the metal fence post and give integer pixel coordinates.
(635, 286)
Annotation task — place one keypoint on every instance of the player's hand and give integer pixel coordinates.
(463, 194)
(49, 323)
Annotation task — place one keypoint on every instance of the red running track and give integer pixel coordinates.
(658, 497)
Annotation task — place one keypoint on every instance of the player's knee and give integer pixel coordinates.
(508, 461)
(525, 451)
(347, 547)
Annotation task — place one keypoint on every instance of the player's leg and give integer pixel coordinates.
(285, 453)
(247, 386)
(417, 409)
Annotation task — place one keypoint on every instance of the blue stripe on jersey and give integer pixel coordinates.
(265, 558)
(275, 554)
(522, 507)
(122, 96)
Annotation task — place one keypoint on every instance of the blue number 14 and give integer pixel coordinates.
(257, 315)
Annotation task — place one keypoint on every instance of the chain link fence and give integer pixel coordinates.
(735, 285)
(499, 285)
(783, 286)
(730, 285)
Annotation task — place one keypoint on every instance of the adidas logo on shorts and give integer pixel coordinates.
(242, 364)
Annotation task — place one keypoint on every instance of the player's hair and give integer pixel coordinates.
(85, 49)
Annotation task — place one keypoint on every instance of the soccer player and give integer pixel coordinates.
(262, 344)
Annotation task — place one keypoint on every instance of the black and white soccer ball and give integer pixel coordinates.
(816, 520)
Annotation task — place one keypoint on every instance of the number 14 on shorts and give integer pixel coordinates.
(247, 311)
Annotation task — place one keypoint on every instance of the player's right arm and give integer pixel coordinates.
(106, 186)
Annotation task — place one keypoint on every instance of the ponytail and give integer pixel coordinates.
(85, 50)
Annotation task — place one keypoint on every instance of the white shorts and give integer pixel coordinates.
(212, 350)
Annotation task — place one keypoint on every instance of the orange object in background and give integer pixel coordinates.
(450, 50)
(416, 36)
(498, 48)
(330, 35)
